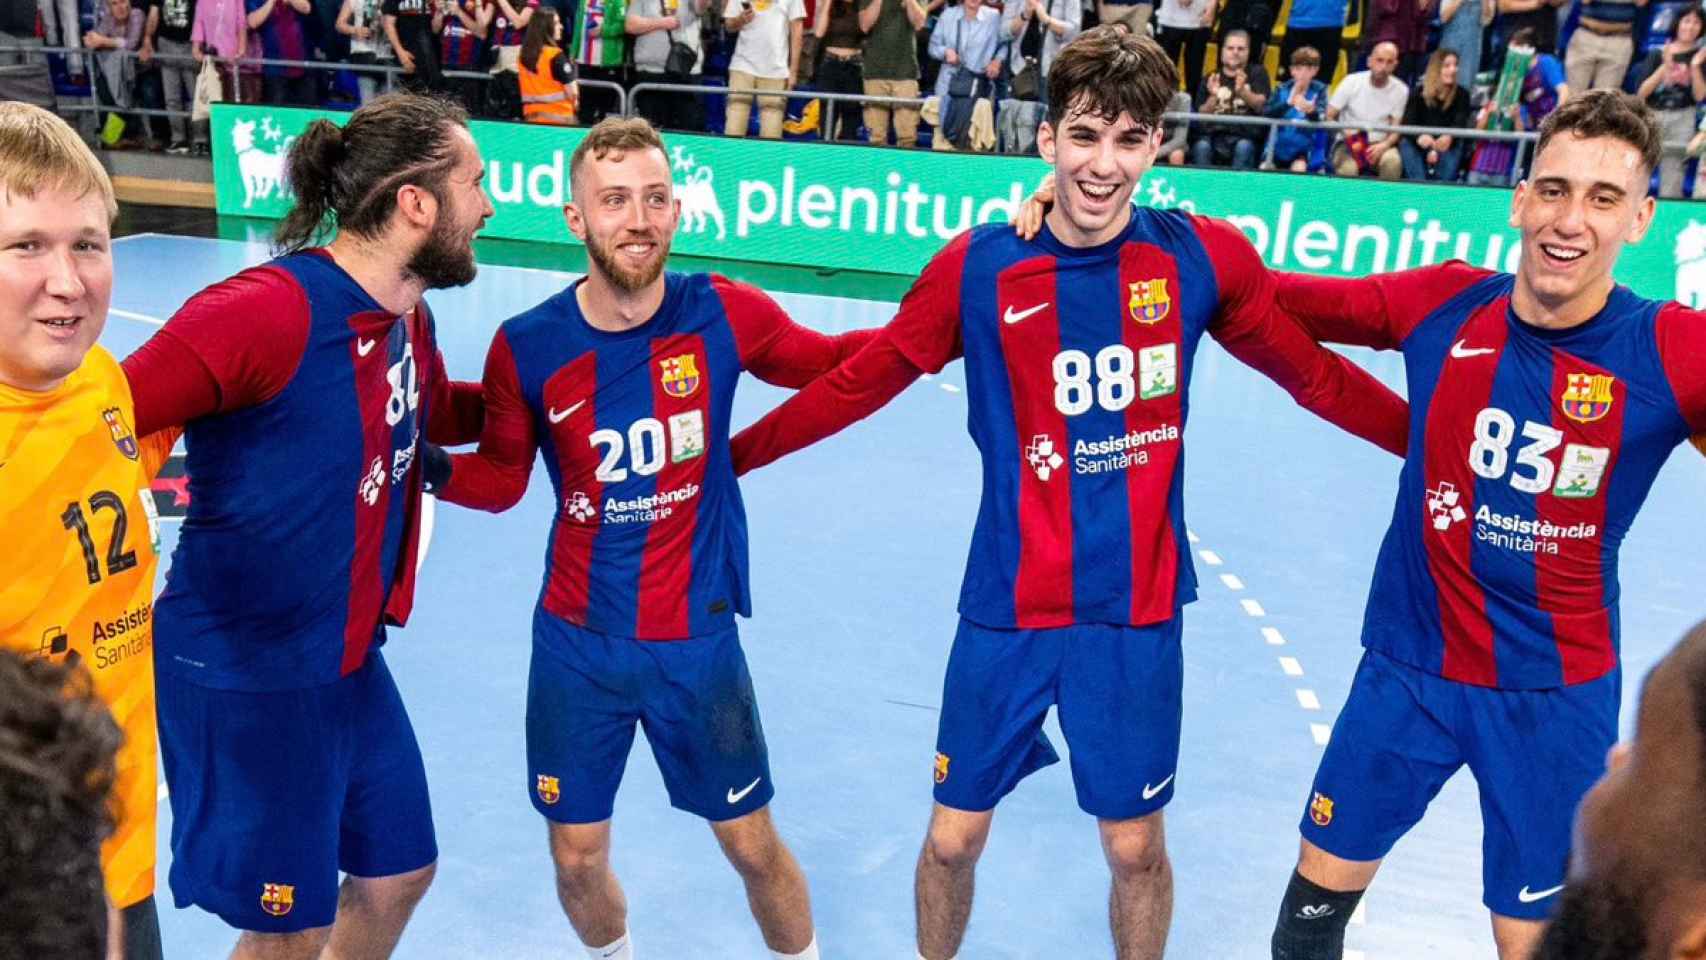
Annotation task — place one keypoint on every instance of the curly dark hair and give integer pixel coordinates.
(57, 747)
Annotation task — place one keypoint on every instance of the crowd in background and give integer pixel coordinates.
(982, 66)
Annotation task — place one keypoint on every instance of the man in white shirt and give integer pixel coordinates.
(767, 57)
(1370, 96)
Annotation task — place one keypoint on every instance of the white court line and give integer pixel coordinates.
(1291, 667)
(1209, 557)
(133, 315)
(1232, 582)
(1253, 608)
(928, 376)
(1273, 636)
(1191, 537)
(161, 793)
(950, 388)
(1308, 700)
(1321, 732)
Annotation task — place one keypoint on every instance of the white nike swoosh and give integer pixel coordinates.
(557, 416)
(1460, 352)
(364, 347)
(736, 796)
(1149, 792)
(1527, 897)
(1011, 317)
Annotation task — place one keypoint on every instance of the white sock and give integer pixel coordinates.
(621, 949)
(809, 953)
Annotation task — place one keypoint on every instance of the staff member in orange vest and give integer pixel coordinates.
(548, 90)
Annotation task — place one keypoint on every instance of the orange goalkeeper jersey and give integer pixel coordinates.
(77, 571)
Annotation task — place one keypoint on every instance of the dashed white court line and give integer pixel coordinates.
(1273, 636)
(1232, 582)
(1307, 699)
(161, 793)
(147, 318)
(1291, 667)
(1321, 733)
(950, 388)
(1209, 557)
(1191, 537)
(1252, 608)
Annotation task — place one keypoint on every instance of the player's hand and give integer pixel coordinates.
(1028, 222)
(1699, 442)
(435, 467)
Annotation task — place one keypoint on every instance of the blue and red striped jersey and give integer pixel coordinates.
(648, 537)
(300, 539)
(1078, 367)
(1531, 451)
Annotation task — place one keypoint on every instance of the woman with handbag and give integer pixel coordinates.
(967, 39)
(362, 22)
(839, 65)
(667, 50)
(1038, 28)
(548, 90)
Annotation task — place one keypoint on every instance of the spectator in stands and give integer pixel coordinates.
(839, 68)
(1638, 868)
(1255, 18)
(548, 90)
(1404, 24)
(220, 31)
(1302, 97)
(655, 25)
(1602, 46)
(408, 27)
(1319, 24)
(1370, 96)
(1461, 25)
(278, 23)
(1035, 32)
(1673, 85)
(1185, 27)
(1237, 88)
(766, 58)
(1175, 133)
(462, 27)
(1543, 89)
(62, 25)
(892, 28)
(1133, 16)
(1441, 103)
(509, 28)
(363, 22)
(601, 55)
(58, 745)
(167, 32)
(1539, 15)
(117, 31)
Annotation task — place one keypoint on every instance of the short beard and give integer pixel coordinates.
(1596, 920)
(629, 281)
(444, 259)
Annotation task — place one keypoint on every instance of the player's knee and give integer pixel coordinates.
(301, 945)
(409, 888)
(953, 847)
(1135, 848)
(753, 853)
(394, 894)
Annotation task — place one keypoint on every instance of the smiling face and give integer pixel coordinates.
(56, 280)
(1097, 164)
(624, 210)
(1586, 198)
(1448, 71)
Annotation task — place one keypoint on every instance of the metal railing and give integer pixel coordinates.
(240, 65)
(828, 113)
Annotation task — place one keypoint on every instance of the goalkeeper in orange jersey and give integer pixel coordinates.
(77, 574)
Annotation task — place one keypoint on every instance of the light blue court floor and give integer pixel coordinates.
(857, 549)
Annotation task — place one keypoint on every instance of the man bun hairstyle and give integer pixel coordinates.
(346, 178)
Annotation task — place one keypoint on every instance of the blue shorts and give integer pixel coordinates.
(274, 793)
(587, 690)
(1534, 753)
(1118, 692)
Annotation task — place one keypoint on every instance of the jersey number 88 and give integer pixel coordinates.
(1115, 385)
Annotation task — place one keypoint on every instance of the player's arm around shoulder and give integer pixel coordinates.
(1680, 334)
(458, 408)
(493, 477)
(772, 346)
(1379, 310)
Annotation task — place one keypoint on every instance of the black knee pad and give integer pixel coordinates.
(1312, 921)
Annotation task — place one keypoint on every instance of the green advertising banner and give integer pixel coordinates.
(886, 211)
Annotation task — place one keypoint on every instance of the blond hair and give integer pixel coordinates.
(39, 151)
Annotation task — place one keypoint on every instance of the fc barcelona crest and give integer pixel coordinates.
(941, 767)
(1587, 396)
(1321, 810)
(1149, 301)
(549, 789)
(277, 898)
(680, 375)
(122, 437)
